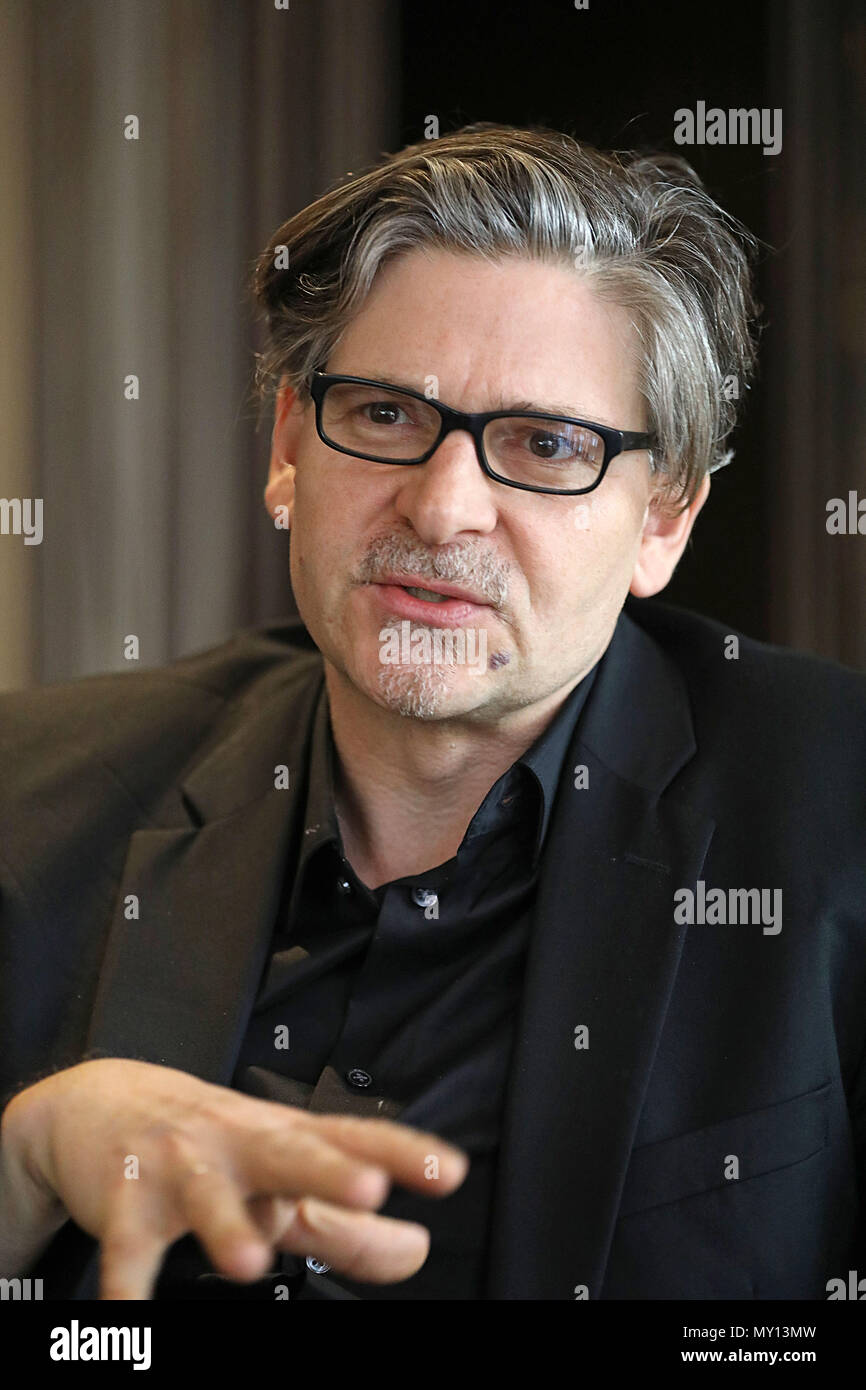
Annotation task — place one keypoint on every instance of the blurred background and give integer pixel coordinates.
(122, 257)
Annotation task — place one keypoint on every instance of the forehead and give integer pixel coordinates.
(488, 331)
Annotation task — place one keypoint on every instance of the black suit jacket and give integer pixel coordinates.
(706, 1144)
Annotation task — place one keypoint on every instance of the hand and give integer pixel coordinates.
(246, 1176)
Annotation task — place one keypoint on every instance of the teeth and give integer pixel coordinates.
(427, 594)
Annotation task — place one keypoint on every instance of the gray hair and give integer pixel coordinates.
(640, 226)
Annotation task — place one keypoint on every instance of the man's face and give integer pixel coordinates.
(555, 569)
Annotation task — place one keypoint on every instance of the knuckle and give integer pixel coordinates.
(212, 1110)
(234, 1126)
(170, 1145)
(277, 1145)
(350, 1127)
(192, 1189)
(159, 1132)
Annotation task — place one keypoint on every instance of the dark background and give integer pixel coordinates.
(612, 76)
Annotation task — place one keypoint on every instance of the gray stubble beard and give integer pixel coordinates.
(416, 691)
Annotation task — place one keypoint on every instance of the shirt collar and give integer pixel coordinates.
(544, 760)
(532, 779)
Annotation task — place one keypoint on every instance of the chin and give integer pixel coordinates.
(421, 692)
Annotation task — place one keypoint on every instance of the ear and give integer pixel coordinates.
(662, 543)
(288, 417)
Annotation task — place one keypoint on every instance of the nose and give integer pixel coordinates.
(449, 494)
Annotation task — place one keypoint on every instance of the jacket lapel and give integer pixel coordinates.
(179, 980)
(603, 956)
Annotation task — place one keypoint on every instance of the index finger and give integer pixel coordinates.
(415, 1158)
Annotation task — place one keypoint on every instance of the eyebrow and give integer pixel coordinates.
(548, 408)
(553, 410)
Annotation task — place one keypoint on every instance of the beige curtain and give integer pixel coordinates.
(128, 258)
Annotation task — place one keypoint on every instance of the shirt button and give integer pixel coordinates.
(343, 885)
(359, 1078)
(424, 897)
(317, 1266)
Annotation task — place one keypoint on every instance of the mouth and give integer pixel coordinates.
(437, 604)
(432, 593)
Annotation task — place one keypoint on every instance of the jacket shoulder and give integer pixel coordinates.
(768, 674)
(144, 728)
(790, 725)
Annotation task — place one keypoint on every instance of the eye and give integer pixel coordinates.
(383, 412)
(545, 444)
(550, 445)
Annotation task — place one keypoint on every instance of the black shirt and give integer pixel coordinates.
(400, 1001)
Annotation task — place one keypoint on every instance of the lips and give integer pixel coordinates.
(449, 591)
(395, 599)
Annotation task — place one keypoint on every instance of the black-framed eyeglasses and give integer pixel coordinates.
(527, 449)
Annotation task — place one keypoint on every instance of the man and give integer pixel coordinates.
(487, 858)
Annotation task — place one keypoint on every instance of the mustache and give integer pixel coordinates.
(469, 565)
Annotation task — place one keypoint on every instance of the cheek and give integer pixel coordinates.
(592, 552)
(335, 515)
(321, 519)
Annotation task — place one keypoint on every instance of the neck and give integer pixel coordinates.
(406, 789)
